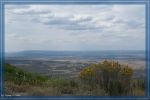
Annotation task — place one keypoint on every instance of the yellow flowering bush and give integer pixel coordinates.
(88, 74)
(111, 76)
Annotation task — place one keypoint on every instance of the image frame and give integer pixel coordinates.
(75, 2)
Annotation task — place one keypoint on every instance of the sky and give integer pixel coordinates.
(74, 27)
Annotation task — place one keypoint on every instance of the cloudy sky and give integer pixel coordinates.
(74, 27)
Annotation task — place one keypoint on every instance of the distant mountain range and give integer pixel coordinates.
(137, 54)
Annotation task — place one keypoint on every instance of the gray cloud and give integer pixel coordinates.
(13, 7)
(59, 27)
(135, 24)
(27, 10)
(30, 12)
(69, 23)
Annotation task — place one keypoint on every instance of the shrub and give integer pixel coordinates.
(19, 76)
(73, 83)
(58, 82)
(13, 89)
(113, 77)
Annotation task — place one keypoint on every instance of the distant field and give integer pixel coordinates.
(69, 64)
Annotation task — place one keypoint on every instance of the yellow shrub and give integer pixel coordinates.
(111, 76)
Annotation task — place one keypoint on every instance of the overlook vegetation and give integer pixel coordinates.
(114, 78)
(103, 79)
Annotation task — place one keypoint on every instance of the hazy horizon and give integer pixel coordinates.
(72, 51)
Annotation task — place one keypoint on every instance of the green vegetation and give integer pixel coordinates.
(103, 79)
(19, 76)
(111, 76)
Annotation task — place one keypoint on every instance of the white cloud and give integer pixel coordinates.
(79, 27)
